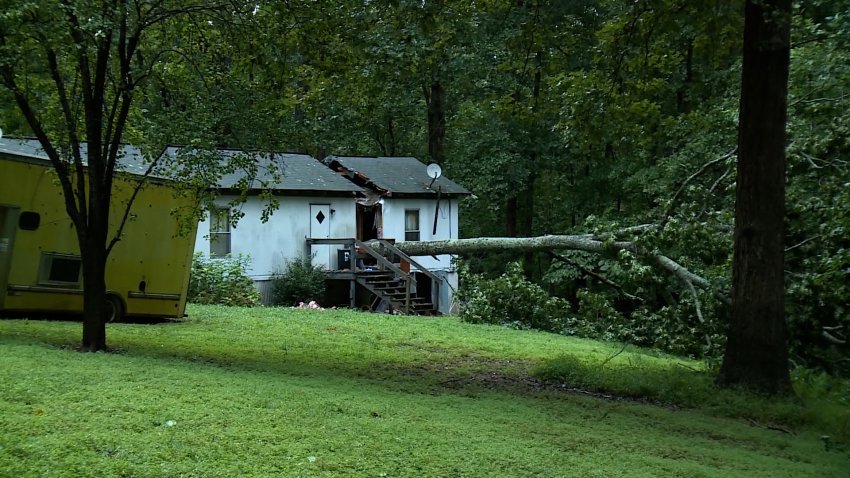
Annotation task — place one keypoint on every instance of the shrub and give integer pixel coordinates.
(222, 281)
(511, 300)
(300, 281)
(514, 301)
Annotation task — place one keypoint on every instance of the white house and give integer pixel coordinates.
(314, 202)
(404, 203)
(329, 210)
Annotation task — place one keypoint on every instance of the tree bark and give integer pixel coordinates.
(93, 253)
(94, 296)
(756, 351)
(436, 121)
(582, 242)
(511, 217)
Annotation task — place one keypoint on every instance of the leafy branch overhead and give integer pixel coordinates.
(79, 74)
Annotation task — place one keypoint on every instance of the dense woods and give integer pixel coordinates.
(611, 120)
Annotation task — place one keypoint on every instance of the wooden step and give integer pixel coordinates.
(389, 285)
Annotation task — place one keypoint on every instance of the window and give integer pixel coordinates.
(29, 220)
(411, 224)
(219, 232)
(59, 269)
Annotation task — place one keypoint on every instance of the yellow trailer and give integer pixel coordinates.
(147, 273)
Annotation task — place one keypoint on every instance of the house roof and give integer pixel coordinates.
(130, 160)
(278, 171)
(393, 175)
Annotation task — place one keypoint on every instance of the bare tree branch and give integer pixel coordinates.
(675, 199)
(595, 275)
(71, 128)
(832, 339)
(801, 243)
(8, 77)
(139, 184)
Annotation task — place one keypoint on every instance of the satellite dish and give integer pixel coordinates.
(434, 171)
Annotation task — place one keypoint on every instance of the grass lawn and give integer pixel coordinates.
(279, 392)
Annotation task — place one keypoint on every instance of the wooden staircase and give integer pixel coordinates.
(390, 293)
(388, 279)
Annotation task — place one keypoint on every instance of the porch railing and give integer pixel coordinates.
(378, 250)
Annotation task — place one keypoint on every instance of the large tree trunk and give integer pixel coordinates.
(756, 351)
(436, 121)
(582, 242)
(94, 296)
(511, 217)
(93, 253)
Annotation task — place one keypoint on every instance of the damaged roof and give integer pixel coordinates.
(404, 176)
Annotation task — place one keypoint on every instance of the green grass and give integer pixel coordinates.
(279, 392)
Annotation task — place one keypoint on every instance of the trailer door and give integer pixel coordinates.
(8, 226)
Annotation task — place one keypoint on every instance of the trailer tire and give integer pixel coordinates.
(114, 308)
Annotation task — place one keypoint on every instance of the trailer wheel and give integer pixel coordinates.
(114, 308)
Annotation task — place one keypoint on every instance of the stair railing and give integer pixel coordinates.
(384, 263)
(435, 281)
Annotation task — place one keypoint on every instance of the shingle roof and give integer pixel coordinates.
(398, 175)
(281, 172)
(130, 159)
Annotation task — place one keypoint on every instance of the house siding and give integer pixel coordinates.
(393, 217)
(272, 244)
(447, 228)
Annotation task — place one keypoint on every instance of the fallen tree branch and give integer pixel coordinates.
(595, 275)
(674, 200)
(612, 357)
(583, 242)
(801, 243)
(698, 308)
(831, 338)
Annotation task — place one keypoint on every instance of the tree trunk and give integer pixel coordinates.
(436, 122)
(528, 220)
(94, 296)
(511, 217)
(756, 351)
(93, 253)
(581, 242)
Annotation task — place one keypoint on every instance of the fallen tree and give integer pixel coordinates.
(582, 242)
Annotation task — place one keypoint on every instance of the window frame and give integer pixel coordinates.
(220, 238)
(45, 267)
(413, 235)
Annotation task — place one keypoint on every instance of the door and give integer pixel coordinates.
(320, 228)
(8, 226)
(368, 221)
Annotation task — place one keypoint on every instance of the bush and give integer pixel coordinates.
(222, 281)
(301, 281)
(512, 300)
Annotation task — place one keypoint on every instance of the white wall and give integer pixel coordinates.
(393, 216)
(282, 238)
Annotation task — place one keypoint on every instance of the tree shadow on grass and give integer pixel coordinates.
(420, 368)
(443, 371)
(71, 317)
